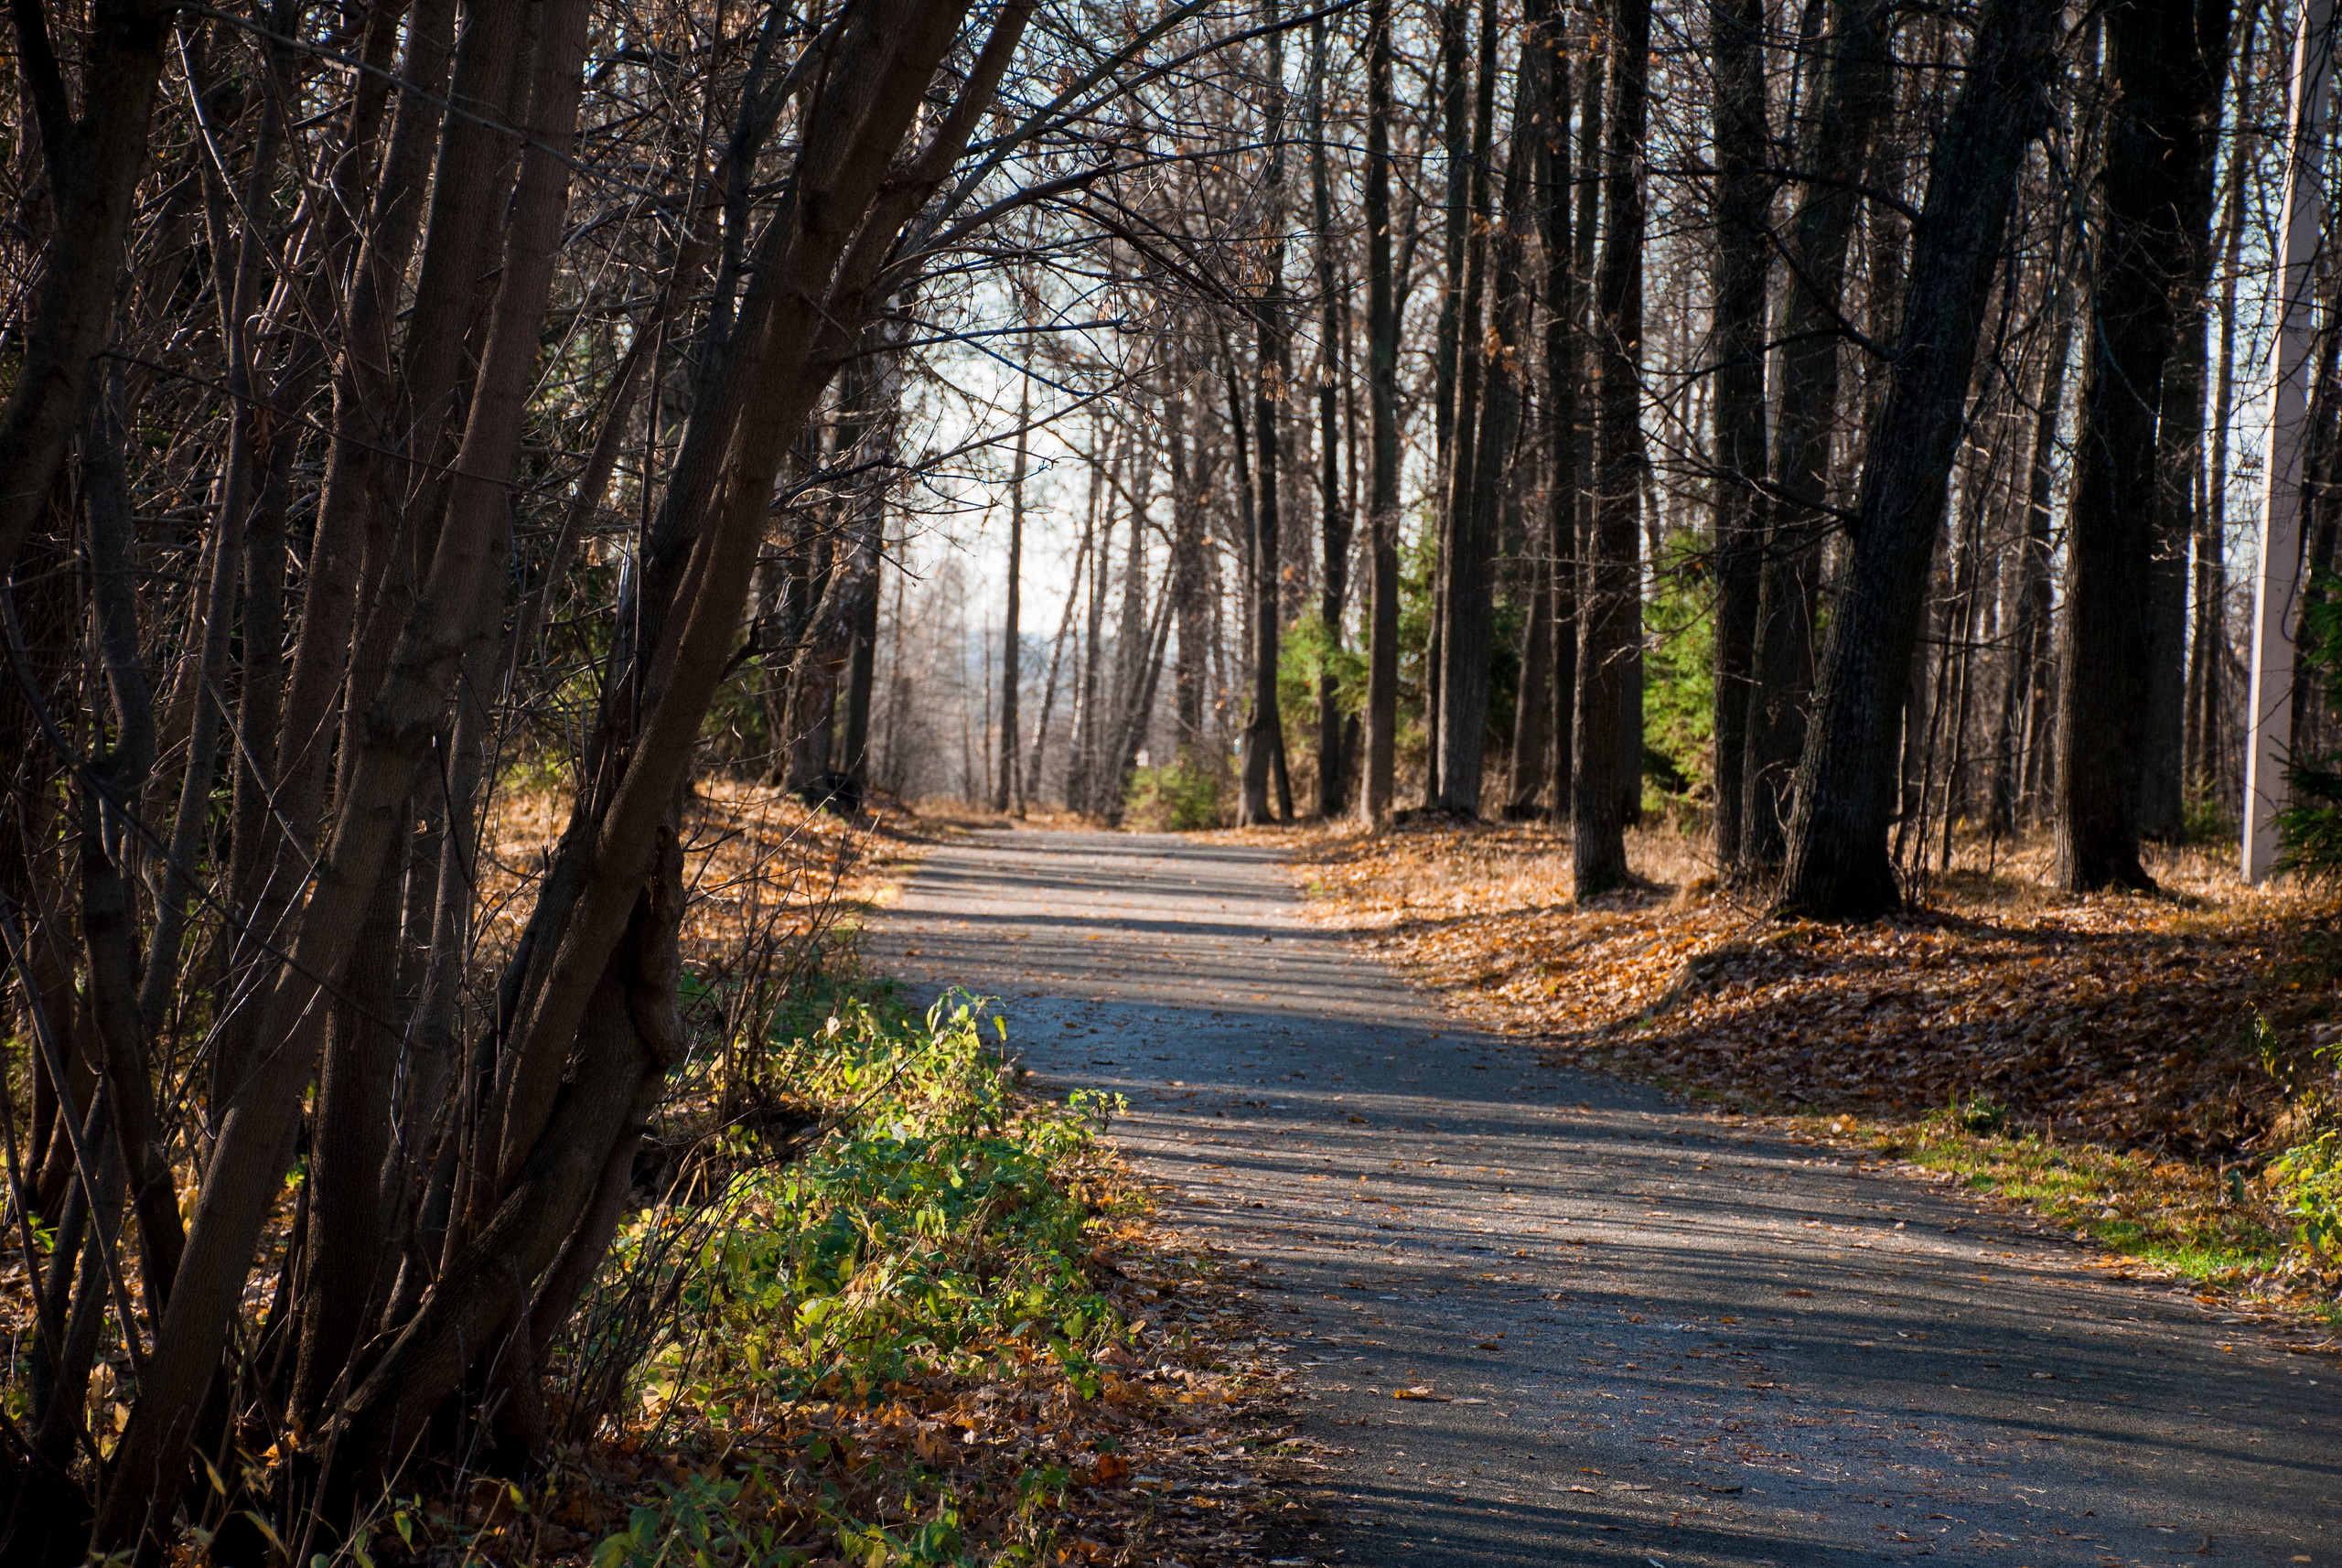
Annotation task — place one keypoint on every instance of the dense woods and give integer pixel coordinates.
(1837, 428)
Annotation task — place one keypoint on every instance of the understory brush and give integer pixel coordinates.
(2213, 1224)
(941, 1220)
(922, 1340)
(1177, 797)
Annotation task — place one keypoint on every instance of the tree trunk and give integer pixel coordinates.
(2028, 695)
(1838, 864)
(94, 164)
(1467, 559)
(1740, 280)
(1855, 96)
(546, 1144)
(1563, 432)
(1608, 589)
(2206, 774)
(1333, 562)
(1187, 587)
(2164, 78)
(1011, 788)
(1383, 378)
(2182, 463)
(1263, 736)
(1455, 141)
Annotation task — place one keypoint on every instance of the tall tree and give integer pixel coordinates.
(1383, 389)
(1466, 609)
(2207, 666)
(1834, 146)
(1838, 861)
(1448, 346)
(1740, 278)
(1334, 518)
(2165, 62)
(1263, 734)
(1189, 587)
(1011, 785)
(1609, 590)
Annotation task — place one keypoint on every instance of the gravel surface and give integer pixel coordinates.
(1641, 1334)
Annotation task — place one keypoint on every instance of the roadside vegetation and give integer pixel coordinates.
(874, 1302)
(935, 1328)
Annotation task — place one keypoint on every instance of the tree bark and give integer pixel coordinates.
(817, 267)
(1609, 589)
(1857, 92)
(1010, 787)
(1382, 388)
(2028, 696)
(2182, 460)
(1564, 364)
(1740, 279)
(2164, 66)
(2207, 773)
(1263, 734)
(1838, 864)
(1468, 558)
(1334, 518)
(93, 179)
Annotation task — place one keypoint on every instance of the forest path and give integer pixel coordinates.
(1717, 1347)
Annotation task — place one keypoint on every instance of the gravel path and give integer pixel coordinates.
(1652, 1337)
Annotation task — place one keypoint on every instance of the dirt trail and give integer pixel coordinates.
(1655, 1338)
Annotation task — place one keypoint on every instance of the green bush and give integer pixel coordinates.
(936, 1235)
(933, 1224)
(1177, 799)
(1678, 676)
(2304, 1181)
(2310, 829)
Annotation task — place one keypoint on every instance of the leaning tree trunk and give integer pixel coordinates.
(584, 1018)
(1855, 96)
(2163, 80)
(94, 163)
(1838, 863)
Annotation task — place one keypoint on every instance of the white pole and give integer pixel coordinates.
(2276, 607)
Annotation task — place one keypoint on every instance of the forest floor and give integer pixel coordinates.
(1538, 1313)
(2120, 1064)
(878, 1303)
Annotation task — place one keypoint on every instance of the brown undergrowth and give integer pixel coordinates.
(873, 1304)
(942, 1326)
(2118, 1064)
(1168, 1450)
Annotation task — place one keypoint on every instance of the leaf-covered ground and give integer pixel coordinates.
(2105, 1059)
(947, 1330)
(876, 1305)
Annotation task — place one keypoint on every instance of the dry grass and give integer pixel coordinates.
(759, 866)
